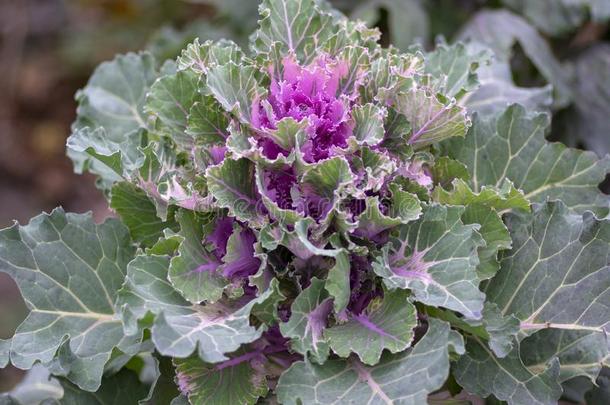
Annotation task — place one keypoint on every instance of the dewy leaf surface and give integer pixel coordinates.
(436, 258)
(386, 325)
(69, 271)
(511, 146)
(400, 379)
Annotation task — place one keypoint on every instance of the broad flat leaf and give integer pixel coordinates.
(170, 100)
(36, 387)
(309, 313)
(436, 258)
(592, 92)
(179, 327)
(407, 19)
(503, 198)
(557, 273)
(454, 68)
(485, 208)
(497, 91)
(94, 151)
(236, 87)
(69, 271)
(483, 374)
(580, 353)
(123, 388)
(163, 389)
(235, 381)
(5, 346)
(114, 96)
(500, 30)
(383, 325)
(201, 57)
(138, 213)
(337, 281)
(193, 271)
(512, 146)
(232, 185)
(298, 26)
(431, 120)
(402, 379)
(368, 123)
(208, 123)
(557, 17)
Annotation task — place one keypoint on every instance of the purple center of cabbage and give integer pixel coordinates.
(311, 93)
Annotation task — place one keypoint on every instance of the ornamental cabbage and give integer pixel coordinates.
(316, 219)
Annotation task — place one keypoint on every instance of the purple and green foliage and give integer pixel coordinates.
(318, 219)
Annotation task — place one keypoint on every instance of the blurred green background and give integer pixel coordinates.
(48, 49)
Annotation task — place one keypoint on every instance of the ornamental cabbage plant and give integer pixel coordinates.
(315, 220)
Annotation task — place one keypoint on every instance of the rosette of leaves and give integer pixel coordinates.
(319, 220)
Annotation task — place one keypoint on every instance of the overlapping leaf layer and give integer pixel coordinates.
(316, 219)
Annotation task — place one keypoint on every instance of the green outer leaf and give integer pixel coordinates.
(205, 384)
(431, 120)
(201, 57)
(296, 26)
(454, 68)
(308, 321)
(384, 325)
(337, 281)
(512, 146)
(36, 387)
(207, 123)
(69, 271)
(139, 214)
(368, 123)
(193, 270)
(5, 346)
(232, 185)
(484, 208)
(556, 257)
(436, 258)
(179, 327)
(163, 389)
(501, 29)
(170, 100)
(236, 88)
(402, 379)
(114, 96)
(123, 388)
(580, 353)
(481, 373)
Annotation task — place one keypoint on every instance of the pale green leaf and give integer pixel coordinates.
(402, 379)
(193, 269)
(204, 383)
(298, 26)
(305, 328)
(383, 325)
(512, 146)
(69, 271)
(232, 185)
(435, 257)
(483, 374)
(180, 327)
(236, 88)
(138, 213)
